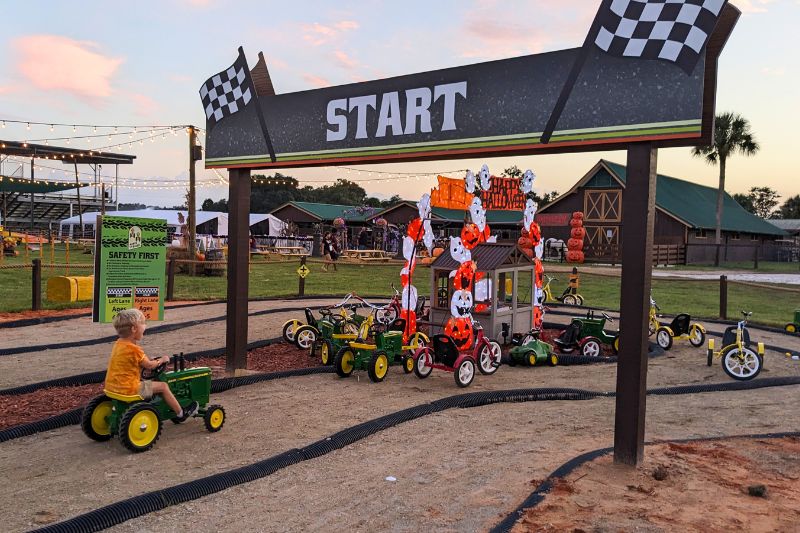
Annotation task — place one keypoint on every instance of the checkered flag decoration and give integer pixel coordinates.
(672, 30)
(227, 92)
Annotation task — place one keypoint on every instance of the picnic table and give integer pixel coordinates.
(367, 255)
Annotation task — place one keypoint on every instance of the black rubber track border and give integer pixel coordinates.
(565, 469)
(124, 510)
(218, 385)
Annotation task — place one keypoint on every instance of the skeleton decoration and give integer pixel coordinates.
(532, 230)
(419, 230)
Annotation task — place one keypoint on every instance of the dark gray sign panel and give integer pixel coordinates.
(493, 108)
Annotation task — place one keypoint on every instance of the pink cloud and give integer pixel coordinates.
(8, 89)
(144, 106)
(56, 63)
(318, 34)
(180, 78)
(345, 60)
(752, 6)
(316, 81)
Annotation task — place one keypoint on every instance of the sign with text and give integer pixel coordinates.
(130, 267)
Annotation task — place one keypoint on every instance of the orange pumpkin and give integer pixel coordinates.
(578, 215)
(525, 242)
(464, 276)
(415, 230)
(437, 252)
(575, 244)
(470, 235)
(461, 331)
(576, 223)
(574, 256)
(577, 233)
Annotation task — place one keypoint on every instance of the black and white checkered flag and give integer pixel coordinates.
(227, 92)
(672, 30)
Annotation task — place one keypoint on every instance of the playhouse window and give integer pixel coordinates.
(524, 288)
(443, 290)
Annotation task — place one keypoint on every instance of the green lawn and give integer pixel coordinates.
(763, 266)
(773, 306)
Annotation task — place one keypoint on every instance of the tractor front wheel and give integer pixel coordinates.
(408, 364)
(96, 418)
(697, 337)
(378, 367)
(326, 352)
(305, 337)
(140, 427)
(344, 362)
(289, 329)
(214, 418)
(791, 327)
(465, 372)
(552, 359)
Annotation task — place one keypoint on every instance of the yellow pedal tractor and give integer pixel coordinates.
(137, 422)
(681, 327)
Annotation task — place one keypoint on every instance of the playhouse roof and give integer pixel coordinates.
(488, 256)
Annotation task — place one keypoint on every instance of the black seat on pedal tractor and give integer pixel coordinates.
(444, 349)
(569, 337)
(398, 324)
(680, 324)
(309, 317)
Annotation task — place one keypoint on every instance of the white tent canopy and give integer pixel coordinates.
(276, 225)
(67, 226)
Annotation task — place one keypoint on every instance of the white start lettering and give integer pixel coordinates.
(390, 118)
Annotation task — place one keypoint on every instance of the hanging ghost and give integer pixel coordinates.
(478, 213)
(427, 235)
(539, 249)
(485, 177)
(461, 304)
(458, 251)
(408, 299)
(526, 183)
(470, 182)
(408, 248)
(530, 212)
(424, 206)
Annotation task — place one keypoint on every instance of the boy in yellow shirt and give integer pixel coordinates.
(127, 360)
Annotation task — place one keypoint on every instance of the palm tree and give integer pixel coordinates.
(731, 134)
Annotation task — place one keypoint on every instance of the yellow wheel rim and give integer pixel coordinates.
(143, 428)
(381, 366)
(216, 418)
(791, 328)
(324, 353)
(347, 361)
(100, 417)
(409, 364)
(554, 360)
(532, 359)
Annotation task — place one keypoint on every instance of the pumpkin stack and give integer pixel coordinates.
(575, 243)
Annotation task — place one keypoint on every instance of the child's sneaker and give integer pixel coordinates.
(188, 411)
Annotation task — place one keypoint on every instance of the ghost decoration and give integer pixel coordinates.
(530, 212)
(470, 182)
(407, 271)
(492, 239)
(478, 213)
(526, 183)
(415, 229)
(408, 299)
(408, 248)
(427, 235)
(461, 304)
(483, 290)
(424, 206)
(458, 251)
(485, 178)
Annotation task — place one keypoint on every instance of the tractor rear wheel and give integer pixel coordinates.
(421, 368)
(214, 418)
(696, 336)
(289, 329)
(305, 337)
(96, 418)
(378, 366)
(791, 327)
(591, 348)
(140, 427)
(465, 372)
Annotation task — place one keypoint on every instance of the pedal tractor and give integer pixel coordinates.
(376, 358)
(530, 350)
(443, 354)
(137, 422)
(290, 327)
(738, 358)
(331, 339)
(794, 326)
(681, 327)
(305, 336)
(587, 334)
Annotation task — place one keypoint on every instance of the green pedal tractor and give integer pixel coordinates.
(376, 358)
(137, 422)
(793, 326)
(331, 339)
(530, 350)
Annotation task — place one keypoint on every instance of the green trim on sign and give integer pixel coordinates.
(621, 132)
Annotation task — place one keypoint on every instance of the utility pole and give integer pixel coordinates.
(191, 224)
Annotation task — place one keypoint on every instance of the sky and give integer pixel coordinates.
(142, 63)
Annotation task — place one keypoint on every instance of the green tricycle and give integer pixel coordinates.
(137, 422)
(530, 350)
(388, 349)
(794, 326)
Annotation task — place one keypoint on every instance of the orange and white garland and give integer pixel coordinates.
(419, 229)
(532, 231)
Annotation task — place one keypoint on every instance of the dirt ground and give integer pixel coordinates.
(458, 470)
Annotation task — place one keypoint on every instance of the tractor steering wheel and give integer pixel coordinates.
(148, 373)
(608, 318)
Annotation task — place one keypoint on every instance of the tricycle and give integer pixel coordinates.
(587, 334)
(443, 354)
(738, 360)
(137, 422)
(681, 327)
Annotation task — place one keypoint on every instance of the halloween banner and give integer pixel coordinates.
(132, 257)
(451, 193)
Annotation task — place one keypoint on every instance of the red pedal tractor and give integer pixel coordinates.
(442, 354)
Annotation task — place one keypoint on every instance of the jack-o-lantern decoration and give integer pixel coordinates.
(461, 304)
(464, 276)
(470, 235)
(461, 331)
(410, 317)
(415, 229)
